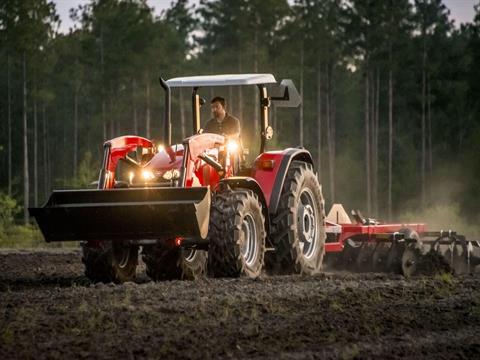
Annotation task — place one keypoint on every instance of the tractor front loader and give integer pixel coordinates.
(196, 207)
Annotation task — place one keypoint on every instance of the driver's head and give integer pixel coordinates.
(219, 107)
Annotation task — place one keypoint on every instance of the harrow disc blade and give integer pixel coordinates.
(364, 258)
(448, 255)
(410, 260)
(394, 258)
(460, 257)
(350, 254)
(380, 255)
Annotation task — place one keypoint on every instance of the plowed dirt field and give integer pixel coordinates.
(49, 310)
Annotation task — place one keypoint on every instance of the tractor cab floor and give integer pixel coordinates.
(48, 309)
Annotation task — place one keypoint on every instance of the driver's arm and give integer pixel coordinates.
(209, 127)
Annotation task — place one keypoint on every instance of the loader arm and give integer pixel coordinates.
(117, 149)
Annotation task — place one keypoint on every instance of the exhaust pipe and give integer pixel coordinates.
(167, 140)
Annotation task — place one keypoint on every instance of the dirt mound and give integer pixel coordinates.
(49, 310)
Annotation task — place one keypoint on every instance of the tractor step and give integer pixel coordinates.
(124, 214)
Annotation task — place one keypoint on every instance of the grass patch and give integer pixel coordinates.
(19, 236)
(28, 237)
(445, 278)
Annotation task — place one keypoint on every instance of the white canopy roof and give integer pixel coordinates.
(222, 80)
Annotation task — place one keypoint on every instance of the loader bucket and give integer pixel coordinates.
(124, 214)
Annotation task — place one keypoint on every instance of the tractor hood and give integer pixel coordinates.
(169, 158)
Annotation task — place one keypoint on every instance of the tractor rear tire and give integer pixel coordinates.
(299, 223)
(110, 262)
(171, 263)
(237, 234)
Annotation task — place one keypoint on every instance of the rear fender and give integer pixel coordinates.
(271, 180)
(249, 183)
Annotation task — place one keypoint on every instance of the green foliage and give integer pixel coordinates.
(12, 235)
(110, 60)
(8, 210)
(87, 171)
(22, 236)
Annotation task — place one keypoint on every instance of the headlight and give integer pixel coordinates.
(160, 148)
(232, 146)
(147, 175)
(171, 174)
(168, 175)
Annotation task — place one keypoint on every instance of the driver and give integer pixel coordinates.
(222, 122)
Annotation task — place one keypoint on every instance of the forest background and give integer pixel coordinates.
(390, 112)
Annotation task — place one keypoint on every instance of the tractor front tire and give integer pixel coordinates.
(171, 263)
(299, 224)
(237, 234)
(110, 262)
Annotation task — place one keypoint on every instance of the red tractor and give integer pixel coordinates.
(196, 206)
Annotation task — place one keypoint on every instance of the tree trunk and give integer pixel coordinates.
(273, 111)
(390, 140)
(75, 132)
(104, 120)
(111, 98)
(429, 121)
(255, 70)
(147, 109)
(35, 145)
(377, 132)
(372, 134)
(26, 192)
(331, 170)
(134, 106)
(333, 117)
(423, 165)
(375, 143)
(45, 154)
(367, 141)
(319, 120)
(48, 158)
(240, 93)
(9, 119)
(183, 120)
(230, 107)
(301, 94)
(212, 57)
(102, 65)
(327, 123)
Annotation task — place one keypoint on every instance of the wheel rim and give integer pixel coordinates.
(460, 260)
(249, 244)
(409, 261)
(122, 255)
(379, 257)
(307, 223)
(189, 254)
